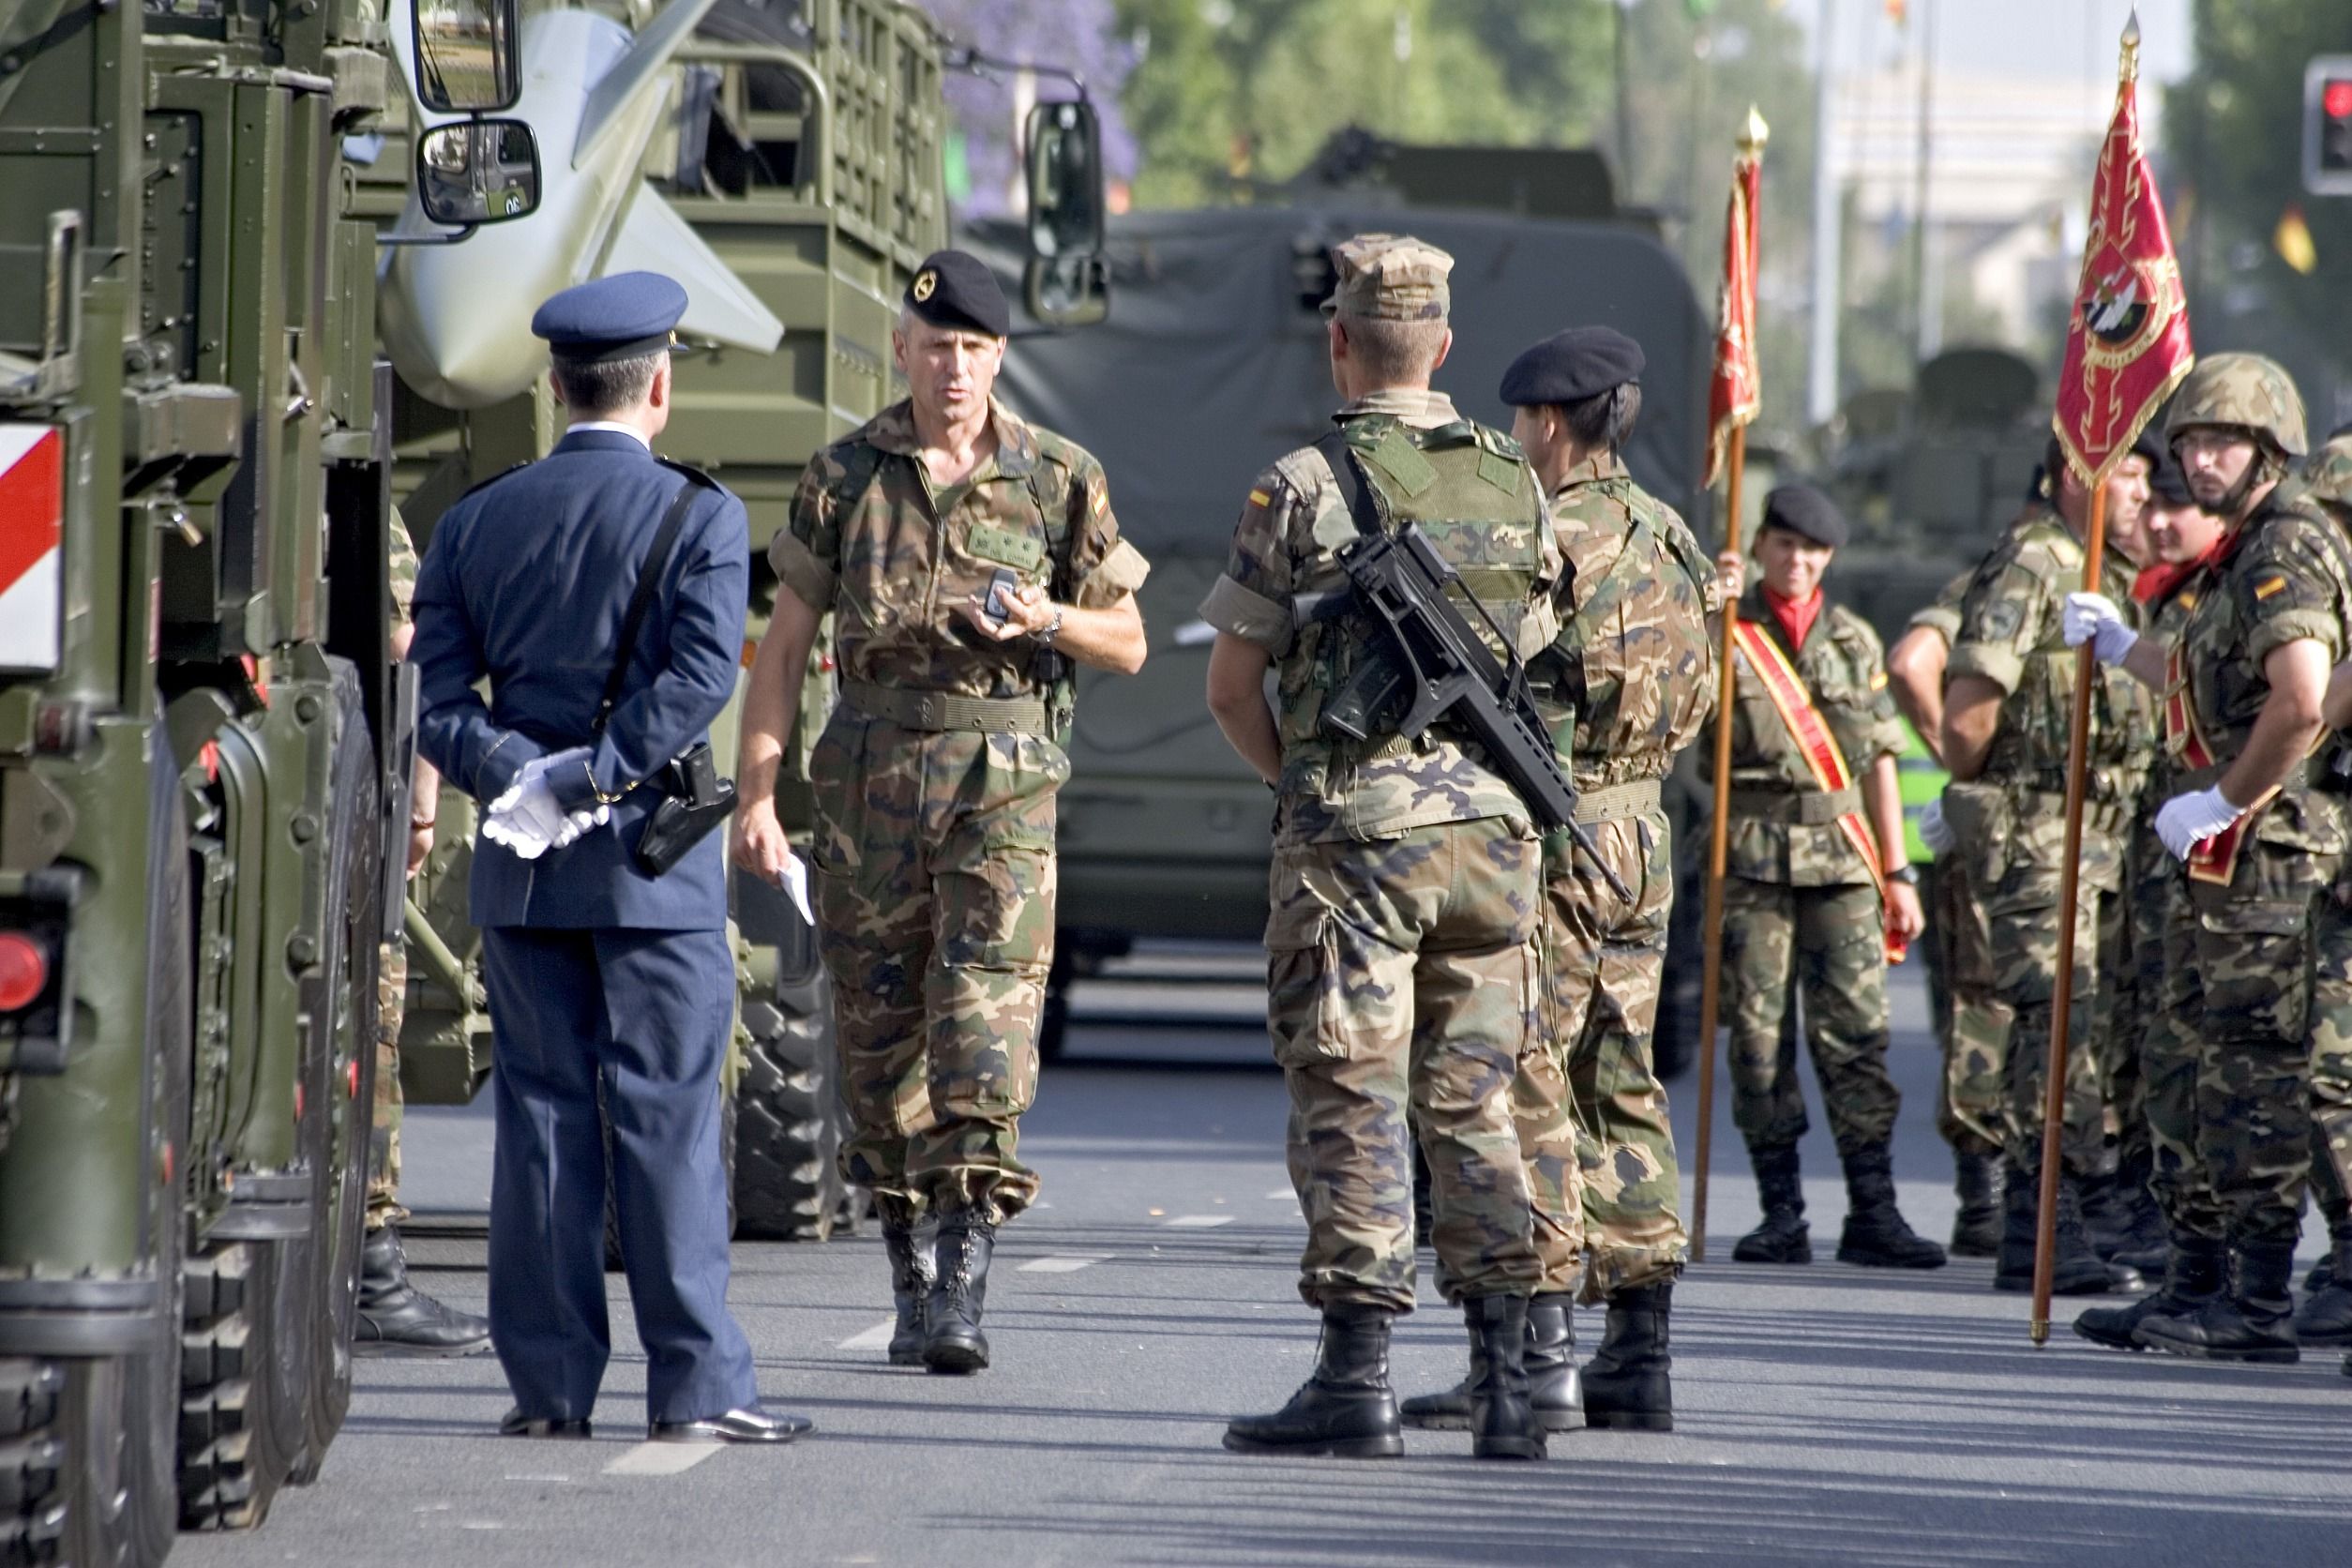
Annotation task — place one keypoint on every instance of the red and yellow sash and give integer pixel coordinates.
(2211, 860)
(1820, 749)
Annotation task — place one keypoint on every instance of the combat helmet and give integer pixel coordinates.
(2245, 390)
(2330, 471)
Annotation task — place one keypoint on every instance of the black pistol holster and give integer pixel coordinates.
(694, 799)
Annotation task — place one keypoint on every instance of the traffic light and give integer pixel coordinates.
(2328, 126)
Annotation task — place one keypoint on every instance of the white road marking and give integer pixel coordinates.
(874, 1338)
(1060, 1265)
(1282, 1195)
(662, 1458)
(1198, 1222)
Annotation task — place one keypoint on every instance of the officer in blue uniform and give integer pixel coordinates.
(599, 972)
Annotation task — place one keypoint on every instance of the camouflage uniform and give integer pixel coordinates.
(2239, 959)
(1404, 888)
(384, 1139)
(1629, 683)
(2329, 481)
(1971, 1020)
(935, 783)
(1800, 903)
(2012, 818)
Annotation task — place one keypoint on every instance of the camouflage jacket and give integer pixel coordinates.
(1631, 678)
(2328, 476)
(1284, 571)
(2283, 576)
(1942, 614)
(403, 574)
(2010, 635)
(1844, 669)
(907, 552)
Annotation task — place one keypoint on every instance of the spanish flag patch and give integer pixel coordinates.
(1260, 498)
(1879, 680)
(2269, 586)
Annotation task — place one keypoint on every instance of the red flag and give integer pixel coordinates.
(1736, 390)
(2127, 345)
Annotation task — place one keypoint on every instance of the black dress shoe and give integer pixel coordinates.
(514, 1423)
(748, 1424)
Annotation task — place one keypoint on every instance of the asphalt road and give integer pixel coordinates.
(1825, 1414)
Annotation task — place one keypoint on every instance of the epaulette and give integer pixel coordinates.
(485, 484)
(693, 474)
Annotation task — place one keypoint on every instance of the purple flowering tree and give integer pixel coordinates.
(1078, 36)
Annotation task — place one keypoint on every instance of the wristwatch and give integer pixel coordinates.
(1904, 873)
(1051, 630)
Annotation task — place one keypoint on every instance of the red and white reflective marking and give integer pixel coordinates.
(32, 554)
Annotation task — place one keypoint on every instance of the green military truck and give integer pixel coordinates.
(785, 162)
(201, 743)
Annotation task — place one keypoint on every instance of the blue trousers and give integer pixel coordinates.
(644, 1014)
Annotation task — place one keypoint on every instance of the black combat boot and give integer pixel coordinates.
(1554, 1387)
(1976, 1229)
(2253, 1323)
(913, 1269)
(1346, 1409)
(1627, 1383)
(2325, 1318)
(1504, 1425)
(1784, 1236)
(396, 1319)
(2195, 1275)
(2076, 1270)
(2144, 1244)
(1877, 1236)
(952, 1340)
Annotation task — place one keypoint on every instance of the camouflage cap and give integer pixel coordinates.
(1393, 277)
(2245, 390)
(2331, 471)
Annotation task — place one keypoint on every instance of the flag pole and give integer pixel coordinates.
(1718, 844)
(2070, 880)
(1740, 241)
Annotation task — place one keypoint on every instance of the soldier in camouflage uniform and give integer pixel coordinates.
(1802, 896)
(968, 558)
(394, 1317)
(1406, 881)
(2262, 839)
(2326, 1317)
(2180, 536)
(2008, 707)
(1971, 1020)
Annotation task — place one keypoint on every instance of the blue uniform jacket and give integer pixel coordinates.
(526, 582)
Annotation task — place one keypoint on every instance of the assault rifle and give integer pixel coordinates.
(1437, 667)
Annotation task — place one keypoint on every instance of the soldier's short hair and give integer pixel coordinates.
(1393, 351)
(607, 387)
(1605, 418)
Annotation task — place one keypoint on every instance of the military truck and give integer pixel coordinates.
(202, 746)
(785, 162)
(1213, 364)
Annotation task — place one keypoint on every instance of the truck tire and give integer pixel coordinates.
(227, 1451)
(787, 1113)
(32, 1459)
(342, 1008)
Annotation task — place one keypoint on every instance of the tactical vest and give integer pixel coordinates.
(2123, 726)
(1471, 492)
(1055, 675)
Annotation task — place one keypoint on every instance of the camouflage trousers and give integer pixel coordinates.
(2331, 1058)
(1614, 1184)
(2168, 1052)
(934, 898)
(1401, 985)
(2239, 966)
(2021, 910)
(1971, 1020)
(2129, 1014)
(384, 1137)
(1831, 941)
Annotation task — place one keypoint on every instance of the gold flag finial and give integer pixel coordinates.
(1754, 134)
(2130, 69)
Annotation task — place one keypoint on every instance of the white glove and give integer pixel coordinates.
(579, 824)
(2093, 618)
(2187, 821)
(1935, 832)
(526, 817)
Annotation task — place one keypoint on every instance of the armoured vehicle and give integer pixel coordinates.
(201, 747)
(784, 162)
(1212, 364)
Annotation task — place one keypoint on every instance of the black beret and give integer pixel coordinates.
(620, 317)
(1569, 367)
(1803, 510)
(956, 289)
(2170, 483)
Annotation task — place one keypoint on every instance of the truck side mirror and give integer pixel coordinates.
(467, 54)
(475, 172)
(1067, 282)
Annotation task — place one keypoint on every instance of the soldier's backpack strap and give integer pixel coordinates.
(648, 583)
(1348, 469)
